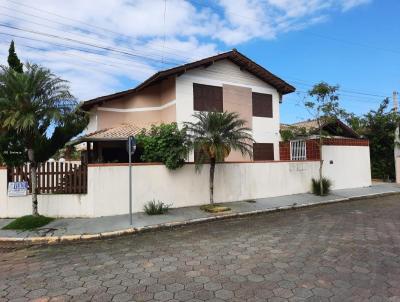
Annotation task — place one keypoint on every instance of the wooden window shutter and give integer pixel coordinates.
(207, 98)
(263, 151)
(262, 104)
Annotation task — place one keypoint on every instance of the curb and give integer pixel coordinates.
(130, 231)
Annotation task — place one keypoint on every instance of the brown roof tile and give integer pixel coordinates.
(121, 132)
(233, 55)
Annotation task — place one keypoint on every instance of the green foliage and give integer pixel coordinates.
(68, 153)
(214, 208)
(28, 222)
(165, 143)
(379, 127)
(215, 134)
(324, 105)
(12, 151)
(316, 186)
(38, 111)
(40, 115)
(291, 132)
(13, 60)
(156, 207)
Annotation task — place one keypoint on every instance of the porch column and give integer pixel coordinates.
(88, 157)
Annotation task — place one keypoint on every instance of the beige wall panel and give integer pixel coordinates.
(141, 119)
(168, 91)
(238, 99)
(168, 115)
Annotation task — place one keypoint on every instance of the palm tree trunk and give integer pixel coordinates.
(212, 170)
(31, 158)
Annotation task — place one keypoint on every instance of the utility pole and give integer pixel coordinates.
(396, 138)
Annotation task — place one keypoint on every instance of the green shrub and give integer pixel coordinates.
(292, 132)
(28, 222)
(316, 188)
(156, 208)
(164, 143)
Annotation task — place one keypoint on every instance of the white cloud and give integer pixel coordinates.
(137, 37)
(349, 4)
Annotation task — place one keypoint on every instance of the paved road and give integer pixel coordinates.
(340, 252)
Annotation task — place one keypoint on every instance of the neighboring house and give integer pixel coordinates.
(305, 143)
(226, 82)
(331, 128)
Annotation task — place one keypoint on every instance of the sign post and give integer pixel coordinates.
(131, 150)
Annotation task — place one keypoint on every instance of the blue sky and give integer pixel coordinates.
(114, 45)
(304, 56)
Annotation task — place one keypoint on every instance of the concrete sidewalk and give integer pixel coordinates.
(67, 229)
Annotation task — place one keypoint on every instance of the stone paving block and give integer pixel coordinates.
(340, 252)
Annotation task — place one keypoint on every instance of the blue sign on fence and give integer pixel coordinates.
(19, 188)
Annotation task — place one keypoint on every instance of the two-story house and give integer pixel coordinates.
(225, 82)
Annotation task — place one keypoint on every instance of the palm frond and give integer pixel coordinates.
(33, 99)
(215, 134)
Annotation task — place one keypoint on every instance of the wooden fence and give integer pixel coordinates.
(53, 177)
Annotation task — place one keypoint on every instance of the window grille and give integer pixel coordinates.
(298, 150)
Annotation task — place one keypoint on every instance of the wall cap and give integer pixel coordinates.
(192, 163)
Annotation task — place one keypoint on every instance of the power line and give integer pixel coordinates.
(301, 82)
(68, 47)
(90, 25)
(112, 49)
(63, 24)
(126, 53)
(351, 92)
(116, 65)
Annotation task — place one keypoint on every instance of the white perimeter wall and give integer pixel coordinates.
(108, 185)
(108, 188)
(350, 167)
(398, 170)
(55, 205)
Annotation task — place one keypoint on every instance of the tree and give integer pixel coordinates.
(12, 148)
(324, 107)
(379, 127)
(213, 135)
(13, 61)
(38, 108)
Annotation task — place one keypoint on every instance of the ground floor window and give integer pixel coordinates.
(298, 150)
(263, 151)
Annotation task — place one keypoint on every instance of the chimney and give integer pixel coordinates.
(395, 101)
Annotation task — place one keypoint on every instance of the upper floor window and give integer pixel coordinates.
(262, 104)
(207, 98)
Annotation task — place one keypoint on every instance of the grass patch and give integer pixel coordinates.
(156, 208)
(214, 208)
(28, 222)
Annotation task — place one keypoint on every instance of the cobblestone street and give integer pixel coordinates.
(339, 252)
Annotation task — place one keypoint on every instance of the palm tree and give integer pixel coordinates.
(213, 135)
(33, 104)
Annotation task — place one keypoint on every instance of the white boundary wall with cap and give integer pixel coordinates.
(347, 166)
(107, 192)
